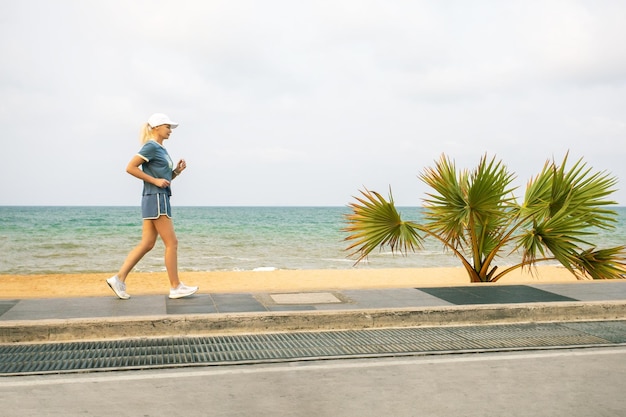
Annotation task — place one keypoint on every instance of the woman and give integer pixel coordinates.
(157, 172)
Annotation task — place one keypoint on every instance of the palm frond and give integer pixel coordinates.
(607, 263)
(585, 194)
(446, 207)
(537, 199)
(375, 223)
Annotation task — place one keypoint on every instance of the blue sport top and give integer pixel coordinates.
(158, 165)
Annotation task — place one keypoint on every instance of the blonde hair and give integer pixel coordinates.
(146, 133)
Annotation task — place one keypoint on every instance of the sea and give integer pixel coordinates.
(75, 240)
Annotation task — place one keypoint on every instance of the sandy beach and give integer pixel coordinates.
(93, 285)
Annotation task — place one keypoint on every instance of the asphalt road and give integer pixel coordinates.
(573, 382)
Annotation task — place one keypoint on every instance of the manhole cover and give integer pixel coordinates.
(305, 298)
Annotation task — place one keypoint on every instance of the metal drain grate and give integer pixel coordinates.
(213, 350)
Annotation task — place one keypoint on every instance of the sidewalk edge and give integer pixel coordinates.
(41, 331)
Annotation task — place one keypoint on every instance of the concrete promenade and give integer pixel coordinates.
(90, 318)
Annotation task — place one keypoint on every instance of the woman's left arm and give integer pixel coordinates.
(180, 167)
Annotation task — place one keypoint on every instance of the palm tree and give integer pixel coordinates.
(475, 215)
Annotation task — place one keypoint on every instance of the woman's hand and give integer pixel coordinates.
(180, 167)
(161, 182)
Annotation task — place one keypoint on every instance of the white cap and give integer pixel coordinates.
(158, 119)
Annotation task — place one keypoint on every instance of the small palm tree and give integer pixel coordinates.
(475, 215)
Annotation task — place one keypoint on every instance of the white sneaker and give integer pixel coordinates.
(182, 291)
(118, 287)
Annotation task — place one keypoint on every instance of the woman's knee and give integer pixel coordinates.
(146, 245)
(171, 242)
(165, 229)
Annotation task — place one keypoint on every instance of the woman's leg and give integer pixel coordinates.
(165, 228)
(148, 239)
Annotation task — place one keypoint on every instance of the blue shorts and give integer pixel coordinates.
(155, 205)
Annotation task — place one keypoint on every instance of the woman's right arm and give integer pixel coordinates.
(133, 169)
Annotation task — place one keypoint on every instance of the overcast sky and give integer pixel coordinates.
(303, 102)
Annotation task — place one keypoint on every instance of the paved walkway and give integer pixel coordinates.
(344, 300)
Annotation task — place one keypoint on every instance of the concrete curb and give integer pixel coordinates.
(272, 322)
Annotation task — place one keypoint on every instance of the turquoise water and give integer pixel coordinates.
(38, 240)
